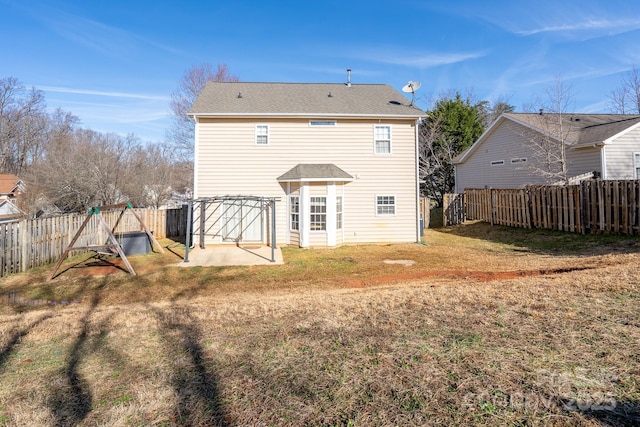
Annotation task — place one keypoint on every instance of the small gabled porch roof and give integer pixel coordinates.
(326, 172)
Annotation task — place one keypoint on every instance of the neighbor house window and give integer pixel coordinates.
(322, 123)
(519, 160)
(382, 139)
(318, 211)
(385, 205)
(636, 165)
(497, 162)
(339, 213)
(294, 213)
(262, 134)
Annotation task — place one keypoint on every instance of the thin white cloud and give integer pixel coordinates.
(58, 89)
(95, 35)
(609, 26)
(425, 60)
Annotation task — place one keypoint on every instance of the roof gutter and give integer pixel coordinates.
(305, 115)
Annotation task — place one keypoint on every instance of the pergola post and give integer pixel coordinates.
(273, 230)
(189, 230)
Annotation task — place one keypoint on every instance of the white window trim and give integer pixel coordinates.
(340, 213)
(258, 126)
(497, 162)
(322, 123)
(636, 164)
(291, 197)
(395, 204)
(375, 148)
(325, 214)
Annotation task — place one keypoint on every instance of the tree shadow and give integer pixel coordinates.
(548, 242)
(622, 414)
(71, 401)
(193, 382)
(17, 335)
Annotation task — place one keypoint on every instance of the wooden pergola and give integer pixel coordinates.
(203, 204)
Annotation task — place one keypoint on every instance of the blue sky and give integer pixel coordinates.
(115, 63)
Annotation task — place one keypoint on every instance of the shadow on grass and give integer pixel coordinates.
(194, 384)
(95, 260)
(16, 336)
(71, 401)
(622, 414)
(546, 241)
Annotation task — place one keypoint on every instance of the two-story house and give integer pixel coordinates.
(341, 159)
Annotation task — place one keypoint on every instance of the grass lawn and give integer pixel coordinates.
(489, 326)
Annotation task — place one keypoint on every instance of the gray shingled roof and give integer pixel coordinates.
(580, 129)
(585, 128)
(302, 99)
(329, 172)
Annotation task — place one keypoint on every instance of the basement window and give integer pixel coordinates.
(497, 162)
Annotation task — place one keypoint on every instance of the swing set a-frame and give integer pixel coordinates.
(111, 246)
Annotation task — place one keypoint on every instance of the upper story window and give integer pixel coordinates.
(519, 160)
(262, 134)
(497, 162)
(382, 139)
(322, 123)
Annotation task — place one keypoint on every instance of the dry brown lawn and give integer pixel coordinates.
(490, 326)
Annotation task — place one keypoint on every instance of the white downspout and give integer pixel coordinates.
(195, 158)
(304, 214)
(603, 161)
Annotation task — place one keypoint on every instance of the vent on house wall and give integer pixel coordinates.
(322, 123)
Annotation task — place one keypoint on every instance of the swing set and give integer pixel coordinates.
(111, 246)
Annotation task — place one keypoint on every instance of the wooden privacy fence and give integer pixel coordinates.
(594, 206)
(453, 209)
(30, 243)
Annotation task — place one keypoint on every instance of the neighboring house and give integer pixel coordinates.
(341, 159)
(10, 189)
(505, 156)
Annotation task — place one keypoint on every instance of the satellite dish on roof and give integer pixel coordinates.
(411, 88)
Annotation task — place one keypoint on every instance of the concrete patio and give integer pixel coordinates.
(228, 255)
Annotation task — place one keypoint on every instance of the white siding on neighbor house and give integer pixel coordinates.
(507, 141)
(230, 163)
(583, 160)
(619, 155)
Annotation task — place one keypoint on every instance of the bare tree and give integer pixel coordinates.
(23, 123)
(181, 133)
(625, 99)
(554, 128)
(491, 110)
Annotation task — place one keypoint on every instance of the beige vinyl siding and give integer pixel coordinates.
(505, 142)
(229, 162)
(619, 155)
